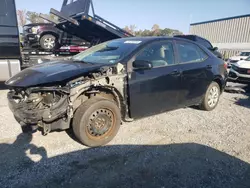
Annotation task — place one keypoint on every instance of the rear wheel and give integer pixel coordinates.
(211, 98)
(48, 42)
(96, 122)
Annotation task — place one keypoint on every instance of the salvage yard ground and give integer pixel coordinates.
(182, 148)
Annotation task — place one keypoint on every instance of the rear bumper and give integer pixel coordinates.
(234, 76)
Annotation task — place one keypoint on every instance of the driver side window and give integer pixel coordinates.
(159, 54)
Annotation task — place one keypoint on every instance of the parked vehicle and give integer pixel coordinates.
(240, 71)
(203, 42)
(127, 79)
(241, 56)
(10, 55)
(47, 37)
(75, 19)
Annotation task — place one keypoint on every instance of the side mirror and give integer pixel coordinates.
(241, 58)
(141, 64)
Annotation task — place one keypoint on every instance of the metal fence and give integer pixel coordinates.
(230, 35)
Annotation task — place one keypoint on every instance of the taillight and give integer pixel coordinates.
(225, 65)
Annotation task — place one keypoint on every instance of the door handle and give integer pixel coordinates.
(209, 66)
(175, 73)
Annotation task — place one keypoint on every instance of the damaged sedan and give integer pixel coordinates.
(119, 80)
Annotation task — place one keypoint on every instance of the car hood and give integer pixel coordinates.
(243, 64)
(55, 71)
(238, 58)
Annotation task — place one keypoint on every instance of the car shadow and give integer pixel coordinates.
(176, 165)
(240, 89)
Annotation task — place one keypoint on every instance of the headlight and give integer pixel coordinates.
(35, 29)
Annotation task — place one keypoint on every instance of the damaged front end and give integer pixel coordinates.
(52, 108)
(45, 108)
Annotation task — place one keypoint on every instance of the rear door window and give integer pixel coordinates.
(190, 53)
(7, 13)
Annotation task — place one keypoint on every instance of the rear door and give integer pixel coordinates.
(196, 71)
(157, 89)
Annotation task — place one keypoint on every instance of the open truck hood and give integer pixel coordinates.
(52, 72)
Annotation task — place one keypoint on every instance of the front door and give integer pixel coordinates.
(157, 89)
(196, 72)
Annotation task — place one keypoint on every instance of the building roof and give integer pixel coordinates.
(222, 19)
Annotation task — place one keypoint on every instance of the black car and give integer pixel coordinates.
(47, 37)
(203, 42)
(123, 79)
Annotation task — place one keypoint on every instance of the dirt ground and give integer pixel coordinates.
(184, 148)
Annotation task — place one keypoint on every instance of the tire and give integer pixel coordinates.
(48, 42)
(96, 112)
(206, 102)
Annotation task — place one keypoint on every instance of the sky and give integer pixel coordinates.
(174, 14)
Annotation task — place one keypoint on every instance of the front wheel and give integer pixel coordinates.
(96, 122)
(48, 42)
(211, 98)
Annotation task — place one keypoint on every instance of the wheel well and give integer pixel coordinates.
(50, 33)
(218, 81)
(113, 95)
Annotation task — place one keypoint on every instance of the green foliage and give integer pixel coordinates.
(33, 17)
(155, 31)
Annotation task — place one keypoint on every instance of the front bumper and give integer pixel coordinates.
(22, 113)
(32, 39)
(49, 118)
(234, 76)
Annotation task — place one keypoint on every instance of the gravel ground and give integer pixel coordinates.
(182, 148)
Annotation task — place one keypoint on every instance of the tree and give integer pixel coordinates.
(33, 17)
(131, 29)
(156, 30)
(166, 32)
(21, 16)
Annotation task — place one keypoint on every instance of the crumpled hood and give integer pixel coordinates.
(55, 71)
(238, 58)
(243, 64)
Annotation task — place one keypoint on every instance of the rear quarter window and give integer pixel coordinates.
(204, 43)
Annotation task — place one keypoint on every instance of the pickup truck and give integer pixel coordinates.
(115, 81)
(73, 20)
(47, 37)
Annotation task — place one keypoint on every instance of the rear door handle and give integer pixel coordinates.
(175, 73)
(209, 66)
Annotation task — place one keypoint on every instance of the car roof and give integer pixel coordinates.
(152, 38)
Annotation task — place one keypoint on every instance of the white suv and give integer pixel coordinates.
(241, 56)
(240, 71)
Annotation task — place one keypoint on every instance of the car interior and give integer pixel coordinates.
(158, 54)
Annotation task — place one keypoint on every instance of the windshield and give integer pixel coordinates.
(107, 53)
(244, 54)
